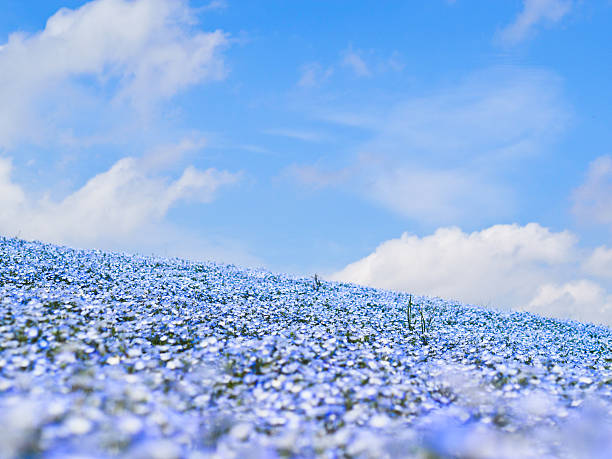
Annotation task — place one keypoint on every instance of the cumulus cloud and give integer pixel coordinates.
(142, 51)
(582, 299)
(599, 263)
(534, 13)
(112, 206)
(593, 199)
(510, 266)
(11, 195)
(444, 157)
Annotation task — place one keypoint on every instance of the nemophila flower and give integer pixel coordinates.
(109, 354)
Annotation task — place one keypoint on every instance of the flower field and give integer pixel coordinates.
(105, 355)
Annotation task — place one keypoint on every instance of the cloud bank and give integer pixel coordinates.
(509, 266)
(132, 52)
(110, 207)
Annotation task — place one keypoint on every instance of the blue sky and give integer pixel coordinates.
(449, 148)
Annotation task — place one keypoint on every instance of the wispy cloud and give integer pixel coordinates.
(354, 63)
(215, 5)
(317, 177)
(353, 60)
(524, 267)
(534, 13)
(592, 201)
(313, 74)
(163, 156)
(298, 134)
(434, 194)
(442, 158)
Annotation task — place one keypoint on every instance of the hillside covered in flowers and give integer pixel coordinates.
(105, 355)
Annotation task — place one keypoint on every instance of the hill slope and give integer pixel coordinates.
(104, 354)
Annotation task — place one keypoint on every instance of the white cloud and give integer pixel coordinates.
(111, 207)
(593, 199)
(510, 266)
(138, 51)
(599, 263)
(355, 62)
(533, 14)
(10, 194)
(98, 75)
(497, 113)
(444, 157)
(583, 299)
(434, 194)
